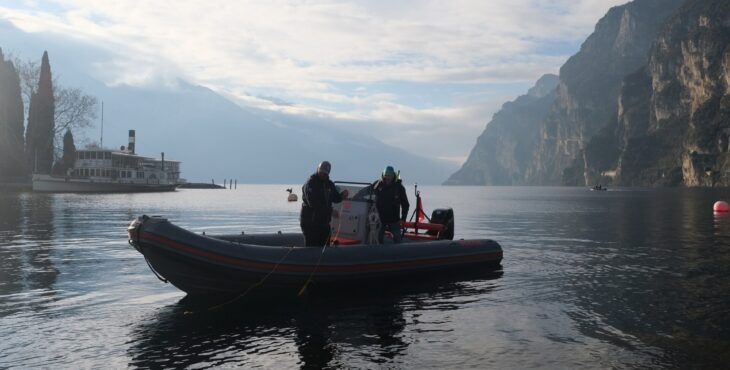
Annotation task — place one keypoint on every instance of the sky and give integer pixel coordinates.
(425, 76)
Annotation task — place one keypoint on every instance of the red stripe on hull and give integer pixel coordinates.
(372, 267)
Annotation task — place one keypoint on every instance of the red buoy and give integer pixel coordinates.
(721, 206)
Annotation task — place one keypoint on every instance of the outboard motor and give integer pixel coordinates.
(443, 216)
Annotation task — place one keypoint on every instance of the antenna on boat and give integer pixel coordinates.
(101, 141)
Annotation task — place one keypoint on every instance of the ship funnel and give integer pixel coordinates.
(130, 147)
(163, 161)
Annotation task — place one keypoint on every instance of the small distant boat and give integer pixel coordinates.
(599, 188)
(292, 197)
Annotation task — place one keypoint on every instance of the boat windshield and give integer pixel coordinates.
(358, 192)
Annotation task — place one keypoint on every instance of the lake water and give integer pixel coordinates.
(620, 279)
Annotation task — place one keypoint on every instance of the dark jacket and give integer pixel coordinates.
(391, 199)
(317, 198)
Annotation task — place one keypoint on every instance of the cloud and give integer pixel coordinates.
(298, 51)
(273, 43)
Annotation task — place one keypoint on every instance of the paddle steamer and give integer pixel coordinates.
(100, 170)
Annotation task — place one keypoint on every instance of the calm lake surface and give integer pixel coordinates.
(627, 278)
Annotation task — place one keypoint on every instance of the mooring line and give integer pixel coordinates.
(252, 286)
(316, 267)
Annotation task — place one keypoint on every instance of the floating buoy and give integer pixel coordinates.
(292, 197)
(721, 206)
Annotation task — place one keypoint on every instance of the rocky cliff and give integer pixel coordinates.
(590, 83)
(688, 120)
(673, 118)
(584, 106)
(507, 146)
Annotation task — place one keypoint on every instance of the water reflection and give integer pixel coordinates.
(652, 278)
(721, 230)
(325, 329)
(39, 230)
(11, 258)
(26, 247)
(618, 279)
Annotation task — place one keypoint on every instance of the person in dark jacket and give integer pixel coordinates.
(392, 204)
(318, 194)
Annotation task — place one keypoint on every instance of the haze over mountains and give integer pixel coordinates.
(506, 148)
(646, 101)
(213, 136)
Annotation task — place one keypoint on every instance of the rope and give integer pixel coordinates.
(153, 270)
(138, 233)
(339, 226)
(316, 267)
(255, 285)
(309, 279)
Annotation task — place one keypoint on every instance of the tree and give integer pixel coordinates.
(74, 110)
(69, 155)
(39, 140)
(12, 163)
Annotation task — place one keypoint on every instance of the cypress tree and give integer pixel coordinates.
(69, 154)
(30, 135)
(4, 129)
(11, 121)
(39, 135)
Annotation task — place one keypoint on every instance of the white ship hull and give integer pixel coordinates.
(52, 184)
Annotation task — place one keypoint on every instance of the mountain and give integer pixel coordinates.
(584, 105)
(506, 147)
(213, 136)
(673, 119)
(590, 83)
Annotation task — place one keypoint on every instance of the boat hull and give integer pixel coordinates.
(51, 184)
(278, 264)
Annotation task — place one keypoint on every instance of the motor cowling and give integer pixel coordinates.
(443, 216)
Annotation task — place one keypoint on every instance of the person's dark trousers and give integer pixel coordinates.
(316, 235)
(395, 230)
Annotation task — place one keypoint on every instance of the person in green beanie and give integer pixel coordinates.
(392, 204)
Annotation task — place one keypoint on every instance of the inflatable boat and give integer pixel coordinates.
(278, 263)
